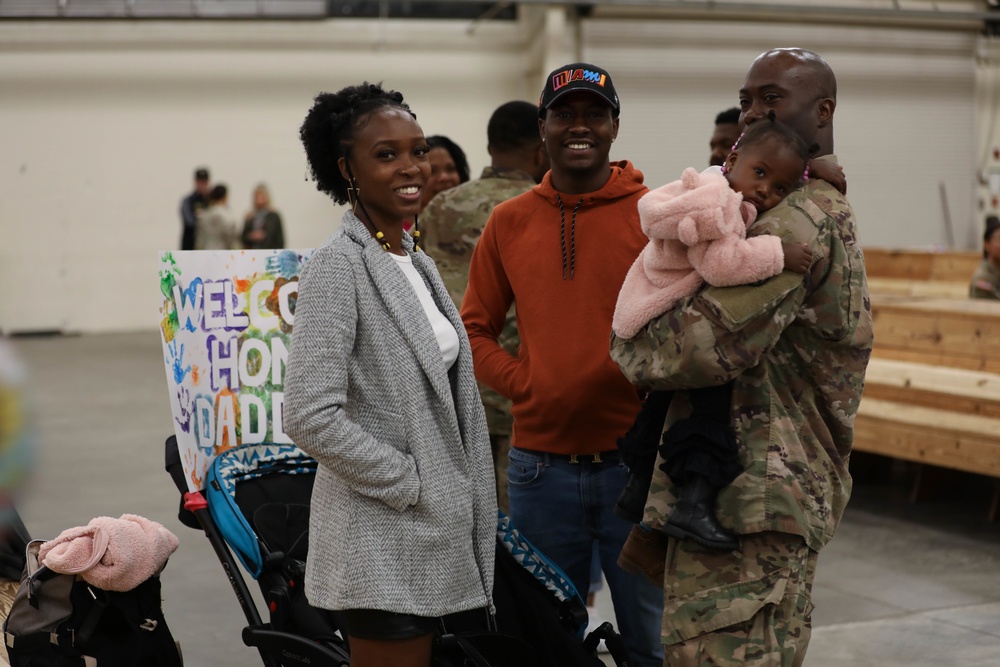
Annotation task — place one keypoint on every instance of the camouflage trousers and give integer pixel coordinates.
(751, 608)
(500, 444)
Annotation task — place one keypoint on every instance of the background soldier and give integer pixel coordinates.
(724, 136)
(453, 221)
(192, 205)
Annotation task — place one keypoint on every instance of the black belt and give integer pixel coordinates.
(609, 456)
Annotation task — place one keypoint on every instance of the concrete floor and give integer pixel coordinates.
(901, 584)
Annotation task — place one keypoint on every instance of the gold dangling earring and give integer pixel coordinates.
(353, 192)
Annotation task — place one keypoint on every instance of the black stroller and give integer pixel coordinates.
(257, 508)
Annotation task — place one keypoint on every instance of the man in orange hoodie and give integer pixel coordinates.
(561, 252)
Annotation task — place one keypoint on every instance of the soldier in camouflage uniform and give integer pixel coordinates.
(797, 352)
(453, 221)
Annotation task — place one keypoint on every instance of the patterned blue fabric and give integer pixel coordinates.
(244, 463)
(543, 569)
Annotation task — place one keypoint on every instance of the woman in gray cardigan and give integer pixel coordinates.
(380, 391)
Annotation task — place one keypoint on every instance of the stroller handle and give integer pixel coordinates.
(172, 464)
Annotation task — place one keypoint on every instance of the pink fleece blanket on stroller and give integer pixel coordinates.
(112, 554)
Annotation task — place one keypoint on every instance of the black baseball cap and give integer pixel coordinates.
(578, 76)
(201, 174)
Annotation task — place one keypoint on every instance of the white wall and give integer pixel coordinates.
(102, 123)
(903, 125)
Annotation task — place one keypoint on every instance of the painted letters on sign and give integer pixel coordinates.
(227, 318)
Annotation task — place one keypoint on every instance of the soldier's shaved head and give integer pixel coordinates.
(801, 89)
(817, 72)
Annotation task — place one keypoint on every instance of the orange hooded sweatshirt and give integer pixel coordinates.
(564, 269)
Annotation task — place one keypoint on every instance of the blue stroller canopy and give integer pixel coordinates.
(240, 464)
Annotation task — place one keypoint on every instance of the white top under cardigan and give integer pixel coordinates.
(404, 510)
(444, 331)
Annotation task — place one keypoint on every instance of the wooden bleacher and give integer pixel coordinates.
(918, 273)
(932, 391)
(955, 333)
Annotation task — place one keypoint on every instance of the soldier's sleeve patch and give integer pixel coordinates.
(792, 220)
(743, 303)
(815, 213)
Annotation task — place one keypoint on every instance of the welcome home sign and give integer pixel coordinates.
(226, 323)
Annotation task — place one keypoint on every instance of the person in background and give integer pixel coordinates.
(192, 205)
(448, 167)
(18, 432)
(18, 436)
(452, 223)
(262, 228)
(985, 282)
(560, 252)
(380, 391)
(797, 351)
(727, 131)
(216, 228)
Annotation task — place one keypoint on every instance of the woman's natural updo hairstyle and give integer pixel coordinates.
(330, 126)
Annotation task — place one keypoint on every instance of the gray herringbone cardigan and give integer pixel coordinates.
(404, 504)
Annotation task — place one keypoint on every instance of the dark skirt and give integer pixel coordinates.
(377, 624)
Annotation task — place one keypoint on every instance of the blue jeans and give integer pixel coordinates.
(565, 508)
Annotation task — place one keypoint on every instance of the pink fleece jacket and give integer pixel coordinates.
(697, 229)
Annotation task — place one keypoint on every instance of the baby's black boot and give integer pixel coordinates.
(693, 516)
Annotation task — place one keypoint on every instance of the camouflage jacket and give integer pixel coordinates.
(797, 348)
(985, 282)
(450, 226)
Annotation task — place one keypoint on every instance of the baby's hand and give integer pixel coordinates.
(798, 257)
(829, 172)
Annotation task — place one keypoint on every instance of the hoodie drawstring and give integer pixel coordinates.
(572, 236)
